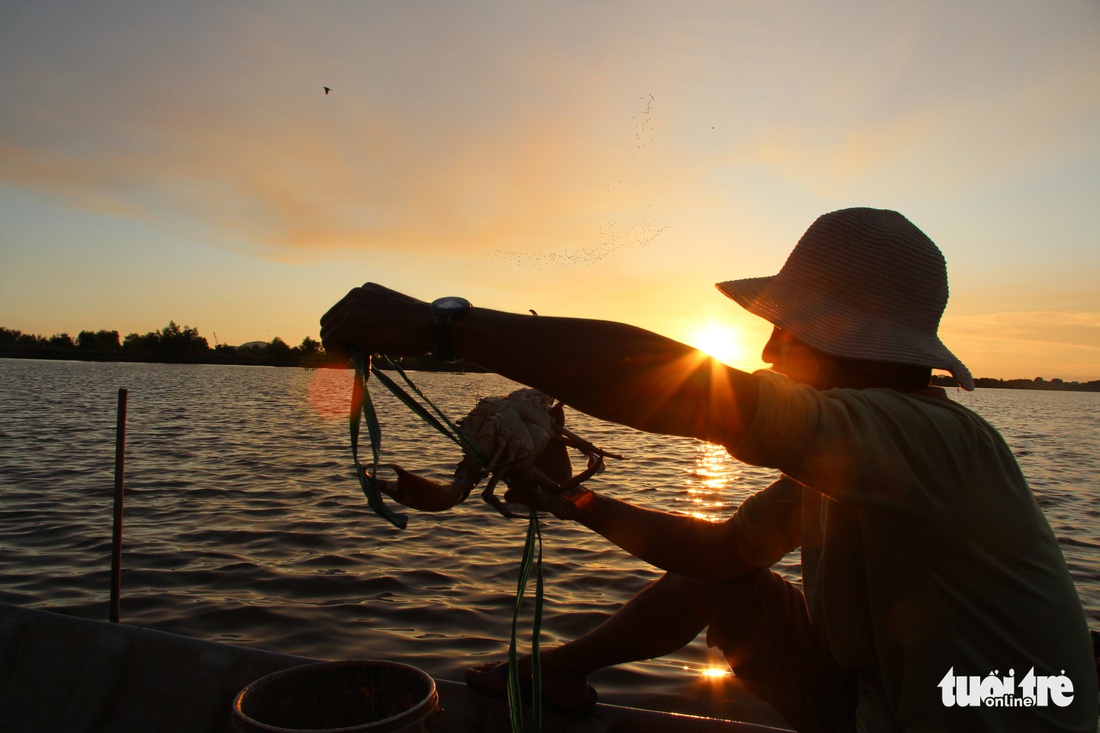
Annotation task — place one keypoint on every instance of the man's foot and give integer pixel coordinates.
(571, 698)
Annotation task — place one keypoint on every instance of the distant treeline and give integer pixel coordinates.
(1037, 383)
(175, 343)
(183, 344)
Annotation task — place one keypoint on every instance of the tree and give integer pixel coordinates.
(277, 349)
(62, 341)
(142, 344)
(30, 341)
(101, 340)
(173, 340)
(8, 337)
(106, 340)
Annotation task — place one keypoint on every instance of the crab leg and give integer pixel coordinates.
(493, 461)
(595, 465)
(585, 447)
(495, 501)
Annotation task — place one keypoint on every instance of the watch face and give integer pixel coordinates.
(451, 303)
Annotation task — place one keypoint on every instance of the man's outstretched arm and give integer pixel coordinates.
(609, 370)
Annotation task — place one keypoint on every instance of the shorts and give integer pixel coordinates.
(763, 628)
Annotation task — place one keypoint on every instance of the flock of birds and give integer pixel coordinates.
(612, 236)
(642, 128)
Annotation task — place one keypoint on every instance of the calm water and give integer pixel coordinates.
(245, 524)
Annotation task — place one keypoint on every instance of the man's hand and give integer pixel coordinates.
(376, 320)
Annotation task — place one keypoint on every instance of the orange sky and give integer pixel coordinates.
(612, 160)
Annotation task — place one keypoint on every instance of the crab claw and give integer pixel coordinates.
(422, 494)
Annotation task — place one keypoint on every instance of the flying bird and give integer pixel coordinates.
(327, 90)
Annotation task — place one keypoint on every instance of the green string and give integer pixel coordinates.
(363, 407)
(451, 431)
(532, 556)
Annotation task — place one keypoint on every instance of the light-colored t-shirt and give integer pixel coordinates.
(925, 559)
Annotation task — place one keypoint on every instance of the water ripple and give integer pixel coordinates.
(244, 522)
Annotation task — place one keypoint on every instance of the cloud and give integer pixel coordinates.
(937, 148)
(444, 128)
(946, 101)
(506, 132)
(298, 170)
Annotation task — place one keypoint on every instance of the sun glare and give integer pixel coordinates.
(719, 340)
(709, 671)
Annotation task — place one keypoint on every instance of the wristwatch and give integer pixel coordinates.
(444, 311)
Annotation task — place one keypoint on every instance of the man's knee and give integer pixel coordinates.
(764, 631)
(693, 598)
(756, 612)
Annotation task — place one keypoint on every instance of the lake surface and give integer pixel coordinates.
(244, 522)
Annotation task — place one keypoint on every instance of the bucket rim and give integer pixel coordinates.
(431, 699)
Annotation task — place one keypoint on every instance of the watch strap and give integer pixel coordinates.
(443, 313)
(442, 348)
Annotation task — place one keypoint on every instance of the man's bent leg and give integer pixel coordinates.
(763, 628)
(660, 620)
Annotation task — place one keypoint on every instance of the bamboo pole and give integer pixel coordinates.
(116, 535)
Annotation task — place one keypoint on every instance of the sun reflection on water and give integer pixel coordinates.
(716, 672)
(708, 482)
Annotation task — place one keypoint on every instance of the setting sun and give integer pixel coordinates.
(719, 340)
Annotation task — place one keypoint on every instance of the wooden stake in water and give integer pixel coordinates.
(116, 535)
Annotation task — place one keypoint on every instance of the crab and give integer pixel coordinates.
(514, 438)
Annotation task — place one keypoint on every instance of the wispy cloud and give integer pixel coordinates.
(501, 143)
(322, 174)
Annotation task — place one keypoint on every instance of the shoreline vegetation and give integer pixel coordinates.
(175, 344)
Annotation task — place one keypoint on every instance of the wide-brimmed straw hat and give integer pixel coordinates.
(861, 284)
